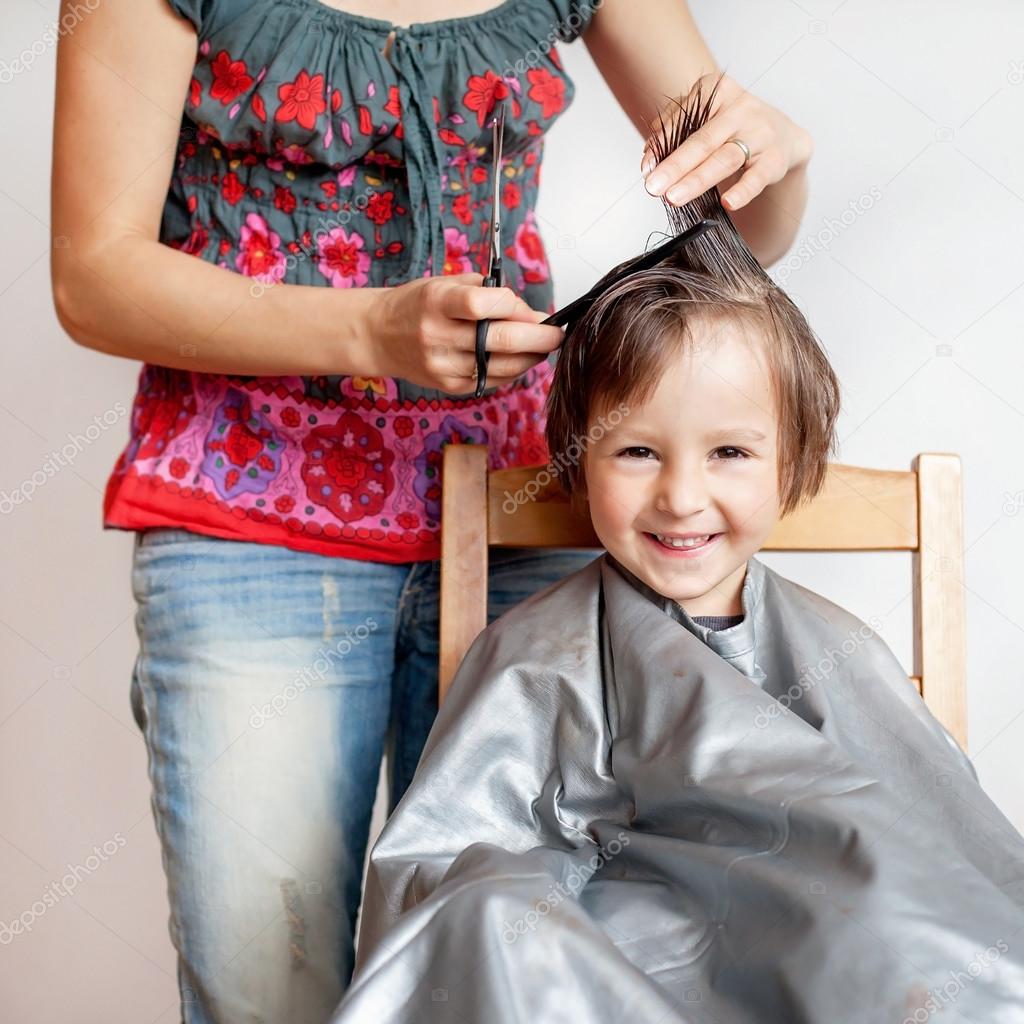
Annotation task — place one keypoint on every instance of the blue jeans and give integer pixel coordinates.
(267, 685)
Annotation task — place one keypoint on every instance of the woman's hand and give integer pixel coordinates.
(424, 331)
(776, 145)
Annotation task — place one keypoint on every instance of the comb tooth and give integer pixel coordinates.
(626, 269)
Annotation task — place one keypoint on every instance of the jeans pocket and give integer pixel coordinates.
(158, 552)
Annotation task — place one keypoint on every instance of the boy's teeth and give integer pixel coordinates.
(678, 542)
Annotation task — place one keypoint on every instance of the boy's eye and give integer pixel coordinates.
(727, 453)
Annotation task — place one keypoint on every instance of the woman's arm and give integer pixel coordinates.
(651, 52)
(122, 77)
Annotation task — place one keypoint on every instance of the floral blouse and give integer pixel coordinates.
(315, 150)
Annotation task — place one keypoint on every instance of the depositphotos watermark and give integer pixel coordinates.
(808, 246)
(573, 22)
(325, 225)
(572, 455)
(58, 460)
(308, 675)
(814, 674)
(577, 879)
(1012, 503)
(56, 891)
(946, 995)
(69, 21)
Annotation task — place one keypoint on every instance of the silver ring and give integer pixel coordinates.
(744, 147)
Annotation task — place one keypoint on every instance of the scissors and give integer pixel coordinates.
(493, 279)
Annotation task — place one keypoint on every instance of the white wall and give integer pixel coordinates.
(918, 300)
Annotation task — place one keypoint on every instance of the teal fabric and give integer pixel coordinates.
(308, 155)
(329, 132)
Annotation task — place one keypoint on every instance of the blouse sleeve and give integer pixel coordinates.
(573, 17)
(194, 10)
(208, 15)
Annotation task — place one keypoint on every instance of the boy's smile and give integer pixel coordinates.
(684, 489)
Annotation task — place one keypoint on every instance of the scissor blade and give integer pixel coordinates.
(496, 149)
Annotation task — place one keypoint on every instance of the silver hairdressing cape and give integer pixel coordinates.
(620, 816)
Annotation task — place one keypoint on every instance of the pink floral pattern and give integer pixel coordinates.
(348, 468)
(260, 253)
(343, 259)
(295, 166)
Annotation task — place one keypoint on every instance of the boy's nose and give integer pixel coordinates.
(681, 493)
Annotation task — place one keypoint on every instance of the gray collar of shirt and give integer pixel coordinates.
(735, 644)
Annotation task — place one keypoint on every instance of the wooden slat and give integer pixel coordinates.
(939, 627)
(527, 508)
(857, 510)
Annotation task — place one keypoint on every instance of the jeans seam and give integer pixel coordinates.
(412, 590)
(156, 770)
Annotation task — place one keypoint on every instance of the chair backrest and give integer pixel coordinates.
(858, 509)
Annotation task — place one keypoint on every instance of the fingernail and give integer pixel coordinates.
(648, 166)
(656, 183)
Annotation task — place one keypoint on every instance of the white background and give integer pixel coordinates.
(918, 300)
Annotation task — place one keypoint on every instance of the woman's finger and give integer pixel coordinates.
(502, 367)
(721, 164)
(474, 302)
(709, 151)
(736, 114)
(514, 347)
(512, 336)
(749, 187)
(456, 375)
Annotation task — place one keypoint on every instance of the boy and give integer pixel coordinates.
(616, 817)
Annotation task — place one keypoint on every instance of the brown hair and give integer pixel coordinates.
(616, 351)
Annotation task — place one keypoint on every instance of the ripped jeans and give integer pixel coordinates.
(267, 686)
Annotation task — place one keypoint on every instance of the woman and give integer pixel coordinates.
(303, 296)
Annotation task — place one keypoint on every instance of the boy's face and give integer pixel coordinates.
(690, 462)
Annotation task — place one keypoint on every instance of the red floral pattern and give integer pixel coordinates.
(348, 468)
(230, 78)
(482, 93)
(548, 90)
(296, 170)
(302, 100)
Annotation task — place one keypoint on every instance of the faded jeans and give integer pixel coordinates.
(267, 686)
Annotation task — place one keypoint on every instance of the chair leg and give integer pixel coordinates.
(464, 514)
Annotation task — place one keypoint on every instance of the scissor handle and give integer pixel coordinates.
(483, 357)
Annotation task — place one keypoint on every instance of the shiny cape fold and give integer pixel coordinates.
(622, 816)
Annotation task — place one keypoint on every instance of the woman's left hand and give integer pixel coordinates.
(707, 157)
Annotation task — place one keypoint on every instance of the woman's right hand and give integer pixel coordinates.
(424, 331)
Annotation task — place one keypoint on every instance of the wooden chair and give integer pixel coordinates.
(857, 510)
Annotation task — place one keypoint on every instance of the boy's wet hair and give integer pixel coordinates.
(617, 351)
